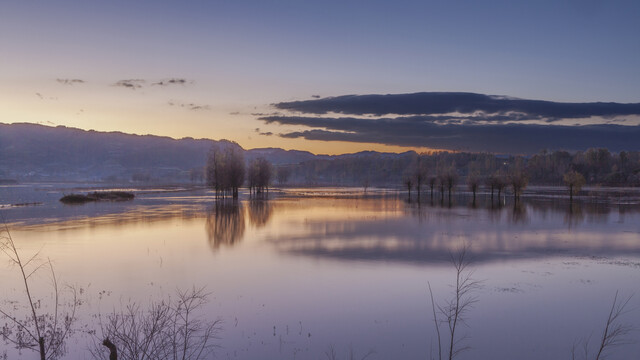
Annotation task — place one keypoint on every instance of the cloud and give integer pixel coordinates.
(431, 103)
(172, 81)
(42, 97)
(462, 121)
(498, 138)
(131, 83)
(268, 133)
(139, 83)
(189, 106)
(70, 81)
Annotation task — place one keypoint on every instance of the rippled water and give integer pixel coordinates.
(314, 269)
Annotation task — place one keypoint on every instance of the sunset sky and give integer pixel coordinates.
(240, 69)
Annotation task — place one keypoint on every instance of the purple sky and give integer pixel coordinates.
(205, 68)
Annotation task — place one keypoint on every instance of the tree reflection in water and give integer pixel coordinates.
(260, 211)
(574, 215)
(225, 224)
(519, 213)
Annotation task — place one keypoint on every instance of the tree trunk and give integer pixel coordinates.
(570, 193)
(41, 344)
(113, 352)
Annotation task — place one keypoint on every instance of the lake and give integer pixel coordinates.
(311, 272)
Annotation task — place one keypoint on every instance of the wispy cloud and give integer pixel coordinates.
(267, 133)
(70, 81)
(43, 97)
(189, 106)
(131, 83)
(172, 81)
(139, 83)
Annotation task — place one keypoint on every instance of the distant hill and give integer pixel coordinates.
(37, 152)
(279, 156)
(32, 152)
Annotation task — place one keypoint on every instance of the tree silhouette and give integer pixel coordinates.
(225, 170)
(574, 181)
(473, 182)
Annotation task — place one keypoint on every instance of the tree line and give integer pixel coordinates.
(597, 166)
(226, 171)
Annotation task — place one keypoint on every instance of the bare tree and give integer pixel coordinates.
(225, 170)
(234, 170)
(473, 182)
(432, 183)
(408, 182)
(496, 181)
(614, 333)
(453, 312)
(574, 181)
(450, 177)
(214, 169)
(260, 172)
(419, 175)
(44, 332)
(168, 329)
(518, 181)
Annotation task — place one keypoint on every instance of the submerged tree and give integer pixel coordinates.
(408, 182)
(432, 183)
(574, 181)
(473, 182)
(518, 183)
(260, 172)
(419, 174)
(45, 327)
(450, 177)
(225, 170)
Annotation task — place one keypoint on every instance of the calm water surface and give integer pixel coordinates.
(308, 270)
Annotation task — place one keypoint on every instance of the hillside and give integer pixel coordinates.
(36, 152)
(32, 152)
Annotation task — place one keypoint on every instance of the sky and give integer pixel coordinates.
(250, 71)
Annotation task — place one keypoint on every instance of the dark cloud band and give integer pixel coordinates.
(462, 121)
(500, 138)
(429, 103)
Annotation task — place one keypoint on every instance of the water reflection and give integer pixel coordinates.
(518, 213)
(574, 215)
(225, 224)
(260, 211)
(425, 233)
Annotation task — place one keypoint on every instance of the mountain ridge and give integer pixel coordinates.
(38, 152)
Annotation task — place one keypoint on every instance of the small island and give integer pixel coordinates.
(97, 196)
